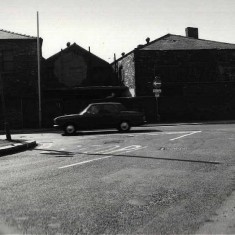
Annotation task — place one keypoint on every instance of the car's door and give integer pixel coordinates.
(91, 118)
(108, 116)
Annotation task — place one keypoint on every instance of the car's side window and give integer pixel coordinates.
(94, 109)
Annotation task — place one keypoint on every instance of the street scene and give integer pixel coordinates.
(155, 179)
(117, 117)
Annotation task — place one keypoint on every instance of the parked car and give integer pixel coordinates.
(100, 116)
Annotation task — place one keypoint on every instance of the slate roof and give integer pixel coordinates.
(12, 35)
(177, 42)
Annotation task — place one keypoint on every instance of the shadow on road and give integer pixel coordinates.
(110, 132)
(71, 154)
(56, 153)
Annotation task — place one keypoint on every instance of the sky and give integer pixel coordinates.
(116, 26)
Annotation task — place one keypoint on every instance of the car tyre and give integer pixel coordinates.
(124, 126)
(70, 129)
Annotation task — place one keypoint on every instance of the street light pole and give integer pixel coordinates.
(6, 124)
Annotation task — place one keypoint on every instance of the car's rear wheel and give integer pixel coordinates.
(70, 129)
(124, 126)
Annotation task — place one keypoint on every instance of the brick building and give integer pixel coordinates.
(198, 76)
(18, 67)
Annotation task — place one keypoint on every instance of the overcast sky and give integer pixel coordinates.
(116, 26)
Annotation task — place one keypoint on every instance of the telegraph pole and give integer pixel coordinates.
(39, 76)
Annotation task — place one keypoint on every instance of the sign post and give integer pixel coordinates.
(156, 90)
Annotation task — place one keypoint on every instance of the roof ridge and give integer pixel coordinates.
(74, 45)
(25, 35)
(201, 39)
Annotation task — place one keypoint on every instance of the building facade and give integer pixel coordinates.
(73, 78)
(19, 69)
(77, 67)
(198, 76)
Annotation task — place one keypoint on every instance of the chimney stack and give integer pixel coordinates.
(191, 32)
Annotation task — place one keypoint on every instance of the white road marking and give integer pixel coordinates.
(148, 133)
(80, 163)
(127, 149)
(109, 149)
(98, 148)
(182, 136)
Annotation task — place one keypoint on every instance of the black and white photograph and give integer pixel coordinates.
(117, 117)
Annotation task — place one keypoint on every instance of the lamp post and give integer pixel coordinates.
(5, 119)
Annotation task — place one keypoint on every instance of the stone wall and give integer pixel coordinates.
(125, 70)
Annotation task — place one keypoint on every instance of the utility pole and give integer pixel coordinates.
(39, 76)
(5, 119)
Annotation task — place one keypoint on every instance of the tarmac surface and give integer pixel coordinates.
(223, 222)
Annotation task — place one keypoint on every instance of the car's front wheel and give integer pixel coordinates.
(70, 129)
(124, 126)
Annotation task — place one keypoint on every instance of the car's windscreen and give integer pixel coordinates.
(84, 111)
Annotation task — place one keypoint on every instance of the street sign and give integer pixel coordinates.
(157, 95)
(157, 82)
(157, 90)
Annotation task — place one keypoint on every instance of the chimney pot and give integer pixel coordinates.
(147, 40)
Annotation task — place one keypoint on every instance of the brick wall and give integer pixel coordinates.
(74, 67)
(21, 80)
(177, 69)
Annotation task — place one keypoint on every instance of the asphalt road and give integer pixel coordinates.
(154, 180)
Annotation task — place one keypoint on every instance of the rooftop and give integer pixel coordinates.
(177, 42)
(12, 35)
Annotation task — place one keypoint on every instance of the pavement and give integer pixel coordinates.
(13, 146)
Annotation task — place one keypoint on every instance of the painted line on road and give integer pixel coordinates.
(127, 149)
(80, 163)
(182, 136)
